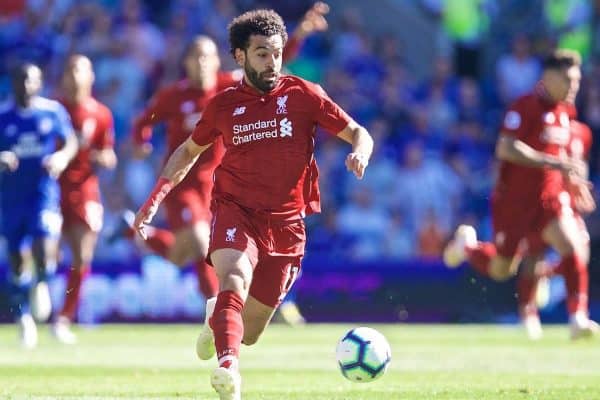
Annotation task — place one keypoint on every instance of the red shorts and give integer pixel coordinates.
(82, 208)
(515, 223)
(275, 247)
(188, 203)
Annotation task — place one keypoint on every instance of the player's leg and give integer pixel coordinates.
(189, 216)
(82, 242)
(273, 278)
(19, 286)
(526, 296)
(234, 270)
(45, 255)
(191, 243)
(486, 258)
(562, 233)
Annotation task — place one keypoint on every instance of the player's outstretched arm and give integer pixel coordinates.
(362, 147)
(178, 165)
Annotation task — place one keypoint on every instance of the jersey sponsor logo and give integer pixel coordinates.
(285, 128)
(512, 120)
(88, 127)
(261, 129)
(28, 146)
(556, 135)
(230, 234)
(281, 104)
(239, 111)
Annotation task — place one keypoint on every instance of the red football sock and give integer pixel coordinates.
(577, 282)
(74, 281)
(228, 327)
(481, 257)
(159, 240)
(208, 282)
(526, 290)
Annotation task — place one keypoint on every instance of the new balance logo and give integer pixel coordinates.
(281, 104)
(285, 128)
(239, 111)
(230, 234)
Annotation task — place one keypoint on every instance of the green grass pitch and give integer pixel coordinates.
(429, 362)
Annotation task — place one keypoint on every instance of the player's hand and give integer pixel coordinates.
(314, 19)
(143, 217)
(104, 158)
(357, 163)
(572, 167)
(55, 164)
(9, 161)
(581, 190)
(142, 151)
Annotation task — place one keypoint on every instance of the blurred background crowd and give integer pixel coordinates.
(429, 79)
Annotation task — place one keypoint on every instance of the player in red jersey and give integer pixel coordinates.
(530, 208)
(180, 106)
(534, 272)
(265, 185)
(80, 192)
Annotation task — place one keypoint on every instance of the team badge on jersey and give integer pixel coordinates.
(512, 120)
(230, 234)
(45, 126)
(281, 104)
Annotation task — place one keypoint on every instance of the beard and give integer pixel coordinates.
(258, 80)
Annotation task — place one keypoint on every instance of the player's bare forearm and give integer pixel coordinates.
(517, 152)
(182, 160)
(362, 148)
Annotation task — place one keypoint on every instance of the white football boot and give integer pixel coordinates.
(27, 331)
(205, 344)
(39, 298)
(533, 326)
(227, 382)
(581, 326)
(455, 252)
(61, 330)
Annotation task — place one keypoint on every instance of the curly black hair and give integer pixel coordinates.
(561, 58)
(256, 22)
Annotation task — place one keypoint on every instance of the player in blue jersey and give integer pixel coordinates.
(36, 144)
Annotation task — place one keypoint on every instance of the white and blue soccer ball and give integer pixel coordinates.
(363, 354)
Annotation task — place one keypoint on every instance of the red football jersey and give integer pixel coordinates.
(581, 140)
(93, 123)
(269, 139)
(180, 106)
(544, 127)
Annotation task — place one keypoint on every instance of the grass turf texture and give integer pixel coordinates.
(428, 362)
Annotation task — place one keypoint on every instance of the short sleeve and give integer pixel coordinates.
(329, 115)
(64, 127)
(206, 130)
(513, 122)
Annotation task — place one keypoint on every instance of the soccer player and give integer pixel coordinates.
(534, 271)
(80, 193)
(265, 185)
(180, 105)
(530, 207)
(36, 144)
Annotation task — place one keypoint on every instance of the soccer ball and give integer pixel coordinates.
(363, 354)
